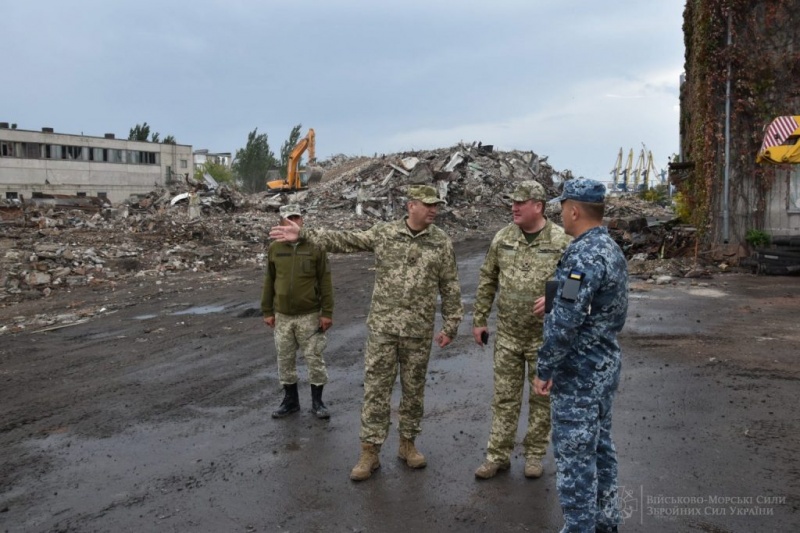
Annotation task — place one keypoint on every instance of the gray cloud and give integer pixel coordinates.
(369, 77)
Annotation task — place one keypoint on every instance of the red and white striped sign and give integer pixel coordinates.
(777, 131)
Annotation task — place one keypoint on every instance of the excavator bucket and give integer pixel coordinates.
(781, 142)
(314, 175)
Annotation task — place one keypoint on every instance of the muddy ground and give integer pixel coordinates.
(155, 416)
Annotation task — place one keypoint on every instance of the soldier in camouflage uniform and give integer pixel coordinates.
(521, 258)
(297, 300)
(580, 360)
(414, 264)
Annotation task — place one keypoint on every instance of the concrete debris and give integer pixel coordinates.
(207, 227)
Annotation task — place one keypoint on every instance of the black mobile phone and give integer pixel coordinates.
(550, 290)
(485, 337)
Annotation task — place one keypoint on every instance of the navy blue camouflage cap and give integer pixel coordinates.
(425, 194)
(583, 190)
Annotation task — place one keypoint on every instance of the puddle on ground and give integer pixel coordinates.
(208, 309)
(201, 310)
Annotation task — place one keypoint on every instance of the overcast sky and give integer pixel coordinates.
(572, 80)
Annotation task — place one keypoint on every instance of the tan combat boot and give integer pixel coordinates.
(409, 453)
(533, 467)
(489, 469)
(367, 463)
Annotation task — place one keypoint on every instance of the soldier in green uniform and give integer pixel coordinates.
(297, 301)
(521, 258)
(414, 265)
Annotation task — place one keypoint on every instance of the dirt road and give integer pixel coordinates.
(154, 416)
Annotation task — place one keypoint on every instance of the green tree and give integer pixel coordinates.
(139, 132)
(658, 194)
(253, 161)
(286, 149)
(221, 173)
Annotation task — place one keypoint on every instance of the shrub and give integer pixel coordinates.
(757, 238)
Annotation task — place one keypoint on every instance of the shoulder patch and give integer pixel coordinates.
(572, 285)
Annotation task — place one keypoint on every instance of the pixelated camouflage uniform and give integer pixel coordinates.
(411, 271)
(582, 356)
(297, 292)
(518, 270)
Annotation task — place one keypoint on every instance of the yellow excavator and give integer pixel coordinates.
(294, 179)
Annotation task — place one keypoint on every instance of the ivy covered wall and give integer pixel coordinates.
(764, 59)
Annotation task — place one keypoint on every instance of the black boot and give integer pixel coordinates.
(317, 407)
(290, 403)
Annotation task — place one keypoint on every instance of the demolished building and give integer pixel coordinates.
(46, 247)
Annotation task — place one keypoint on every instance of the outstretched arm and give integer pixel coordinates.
(288, 233)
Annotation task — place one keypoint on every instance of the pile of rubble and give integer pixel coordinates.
(44, 247)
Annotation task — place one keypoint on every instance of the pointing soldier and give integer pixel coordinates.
(521, 258)
(580, 360)
(415, 264)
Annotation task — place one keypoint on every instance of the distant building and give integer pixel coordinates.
(45, 162)
(221, 158)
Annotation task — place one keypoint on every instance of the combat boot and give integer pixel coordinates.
(409, 453)
(290, 403)
(533, 467)
(317, 407)
(489, 469)
(367, 463)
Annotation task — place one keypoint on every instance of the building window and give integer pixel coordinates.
(6, 149)
(794, 189)
(81, 194)
(74, 153)
(11, 195)
(184, 163)
(52, 151)
(31, 150)
(102, 195)
(144, 158)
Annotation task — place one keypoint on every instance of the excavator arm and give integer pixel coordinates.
(292, 181)
(293, 172)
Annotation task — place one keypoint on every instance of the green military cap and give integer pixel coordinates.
(425, 194)
(290, 210)
(529, 190)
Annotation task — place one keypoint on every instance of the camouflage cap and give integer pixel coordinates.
(583, 190)
(529, 190)
(425, 194)
(289, 210)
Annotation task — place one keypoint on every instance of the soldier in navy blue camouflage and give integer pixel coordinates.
(414, 264)
(580, 360)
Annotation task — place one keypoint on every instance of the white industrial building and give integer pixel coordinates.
(202, 156)
(33, 163)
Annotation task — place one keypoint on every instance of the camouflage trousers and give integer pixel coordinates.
(384, 356)
(511, 358)
(293, 332)
(586, 462)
